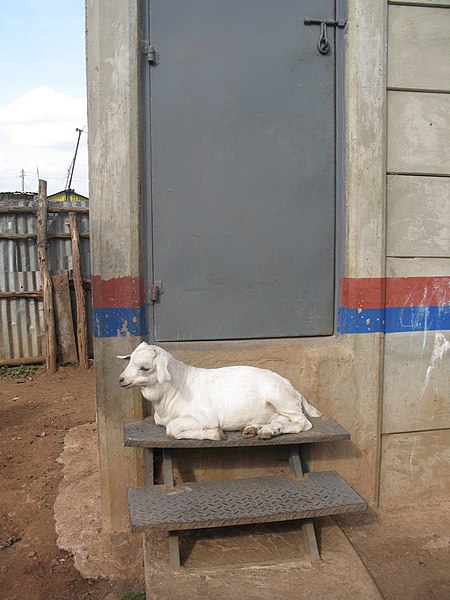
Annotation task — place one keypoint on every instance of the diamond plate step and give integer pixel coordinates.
(146, 434)
(237, 502)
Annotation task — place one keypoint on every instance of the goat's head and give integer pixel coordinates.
(148, 367)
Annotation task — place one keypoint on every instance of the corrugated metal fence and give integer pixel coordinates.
(22, 330)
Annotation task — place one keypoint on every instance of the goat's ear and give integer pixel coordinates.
(162, 372)
(125, 356)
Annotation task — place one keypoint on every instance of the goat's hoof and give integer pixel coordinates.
(250, 431)
(265, 435)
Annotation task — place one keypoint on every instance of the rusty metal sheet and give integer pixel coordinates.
(148, 435)
(21, 319)
(237, 502)
(22, 331)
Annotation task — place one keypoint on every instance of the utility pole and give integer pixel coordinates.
(22, 176)
(72, 166)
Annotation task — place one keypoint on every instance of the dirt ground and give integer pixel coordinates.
(35, 416)
(405, 553)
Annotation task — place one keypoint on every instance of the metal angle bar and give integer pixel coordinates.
(168, 467)
(307, 524)
(295, 462)
(310, 539)
(148, 466)
(174, 550)
(172, 538)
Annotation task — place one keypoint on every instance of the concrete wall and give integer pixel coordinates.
(416, 393)
(342, 374)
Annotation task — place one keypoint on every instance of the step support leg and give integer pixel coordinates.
(310, 539)
(174, 551)
(307, 524)
(173, 541)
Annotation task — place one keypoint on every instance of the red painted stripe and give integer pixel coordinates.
(366, 293)
(122, 292)
(417, 291)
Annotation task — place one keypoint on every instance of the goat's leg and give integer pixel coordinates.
(291, 408)
(297, 423)
(275, 427)
(188, 428)
(295, 427)
(251, 431)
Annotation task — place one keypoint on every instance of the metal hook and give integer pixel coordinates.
(324, 43)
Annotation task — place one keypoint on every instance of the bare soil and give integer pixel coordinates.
(35, 416)
(405, 552)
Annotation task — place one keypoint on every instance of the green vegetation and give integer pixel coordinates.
(18, 372)
(133, 596)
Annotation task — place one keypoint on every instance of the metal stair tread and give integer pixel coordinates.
(221, 503)
(146, 434)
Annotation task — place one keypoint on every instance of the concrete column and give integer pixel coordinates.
(118, 290)
(365, 183)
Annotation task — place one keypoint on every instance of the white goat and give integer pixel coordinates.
(194, 403)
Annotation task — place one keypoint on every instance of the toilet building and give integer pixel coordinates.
(270, 185)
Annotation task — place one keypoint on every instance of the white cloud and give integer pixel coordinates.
(39, 130)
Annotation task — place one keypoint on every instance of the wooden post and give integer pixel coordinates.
(46, 280)
(67, 346)
(79, 293)
(25, 360)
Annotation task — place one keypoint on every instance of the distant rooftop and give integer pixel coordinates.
(27, 198)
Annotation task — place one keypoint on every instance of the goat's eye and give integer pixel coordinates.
(144, 369)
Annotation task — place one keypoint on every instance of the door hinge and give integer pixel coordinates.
(156, 291)
(323, 44)
(151, 53)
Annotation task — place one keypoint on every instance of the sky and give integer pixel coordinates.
(42, 94)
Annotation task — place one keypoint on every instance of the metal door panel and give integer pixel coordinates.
(242, 169)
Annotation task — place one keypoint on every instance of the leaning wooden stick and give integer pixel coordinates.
(79, 293)
(46, 280)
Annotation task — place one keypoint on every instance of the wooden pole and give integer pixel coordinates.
(17, 362)
(51, 209)
(46, 280)
(79, 293)
(30, 236)
(30, 294)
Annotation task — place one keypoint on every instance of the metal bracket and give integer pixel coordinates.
(323, 44)
(151, 53)
(156, 291)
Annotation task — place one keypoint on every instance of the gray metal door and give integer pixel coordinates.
(240, 162)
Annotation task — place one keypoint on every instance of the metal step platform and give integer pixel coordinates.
(242, 501)
(223, 503)
(145, 434)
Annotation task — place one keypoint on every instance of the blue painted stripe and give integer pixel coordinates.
(355, 320)
(120, 322)
(417, 318)
(393, 319)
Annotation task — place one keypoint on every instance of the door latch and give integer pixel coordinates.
(323, 45)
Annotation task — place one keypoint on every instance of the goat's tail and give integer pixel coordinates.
(309, 409)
